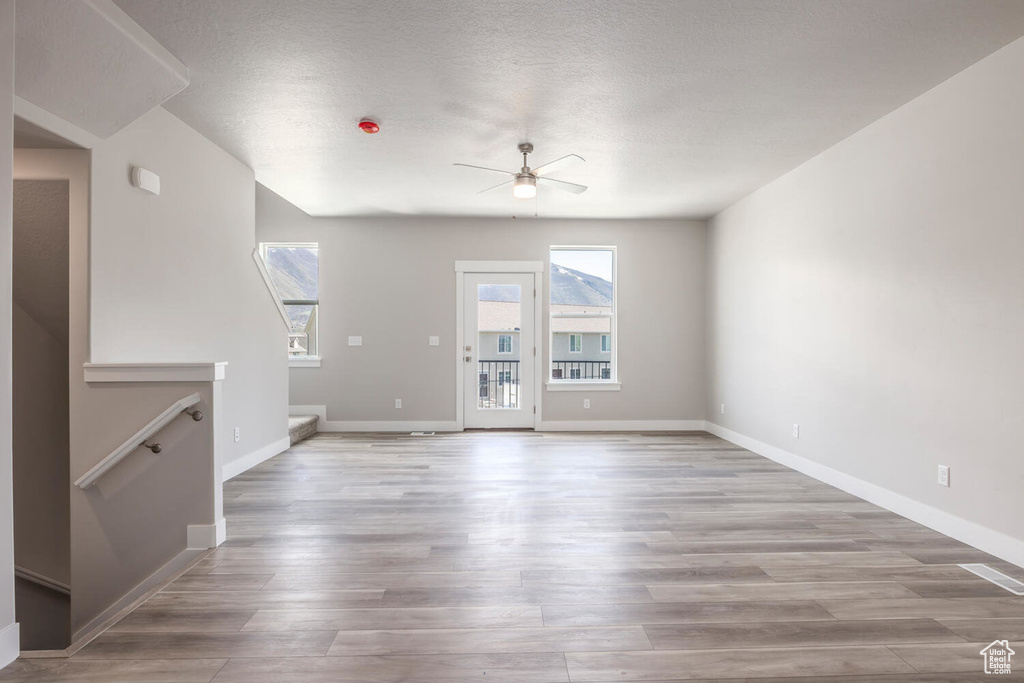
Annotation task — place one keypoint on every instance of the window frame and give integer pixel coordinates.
(606, 343)
(306, 361)
(511, 344)
(573, 336)
(563, 383)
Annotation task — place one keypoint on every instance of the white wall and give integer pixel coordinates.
(8, 629)
(172, 276)
(874, 296)
(392, 281)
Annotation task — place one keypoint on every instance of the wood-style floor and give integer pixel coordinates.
(536, 558)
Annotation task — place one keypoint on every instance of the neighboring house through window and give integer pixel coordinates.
(583, 314)
(294, 269)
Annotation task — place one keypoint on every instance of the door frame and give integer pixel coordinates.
(463, 267)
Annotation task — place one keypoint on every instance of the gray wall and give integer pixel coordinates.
(8, 642)
(159, 279)
(172, 277)
(874, 297)
(392, 281)
(41, 403)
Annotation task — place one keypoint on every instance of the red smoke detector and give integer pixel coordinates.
(369, 126)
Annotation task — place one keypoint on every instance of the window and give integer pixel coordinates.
(294, 268)
(504, 343)
(582, 305)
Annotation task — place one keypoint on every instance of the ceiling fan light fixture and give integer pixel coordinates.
(524, 187)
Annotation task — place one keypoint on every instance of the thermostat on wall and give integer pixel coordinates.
(145, 180)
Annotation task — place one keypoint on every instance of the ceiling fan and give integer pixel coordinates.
(524, 183)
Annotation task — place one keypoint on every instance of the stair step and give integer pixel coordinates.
(301, 427)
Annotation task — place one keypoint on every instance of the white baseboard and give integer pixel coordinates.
(622, 426)
(151, 583)
(319, 411)
(387, 426)
(981, 537)
(250, 460)
(206, 536)
(10, 644)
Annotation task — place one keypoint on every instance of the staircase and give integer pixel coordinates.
(301, 427)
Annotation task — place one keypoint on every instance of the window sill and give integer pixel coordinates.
(311, 362)
(569, 385)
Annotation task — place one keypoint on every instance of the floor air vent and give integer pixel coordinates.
(998, 578)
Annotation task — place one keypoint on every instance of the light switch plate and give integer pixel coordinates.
(355, 341)
(434, 341)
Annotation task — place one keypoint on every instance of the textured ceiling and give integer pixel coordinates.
(680, 107)
(90, 64)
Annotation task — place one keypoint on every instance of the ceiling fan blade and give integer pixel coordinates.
(484, 168)
(562, 185)
(507, 182)
(565, 162)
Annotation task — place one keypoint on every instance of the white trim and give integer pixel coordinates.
(42, 580)
(143, 590)
(499, 266)
(622, 426)
(319, 411)
(577, 385)
(981, 537)
(206, 536)
(136, 440)
(250, 460)
(10, 644)
(460, 342)
(388, 426)
(154, 372)
(261, 265)
(307, 362)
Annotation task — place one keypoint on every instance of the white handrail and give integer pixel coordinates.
(155, 425)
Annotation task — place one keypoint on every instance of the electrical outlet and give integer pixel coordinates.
(355, 341)
(796, 431)
(238, 433)
(586, 403)
(943, 475)
(721, 409)
(398, 403)
(434, 341)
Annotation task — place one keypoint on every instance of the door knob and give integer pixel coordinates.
(469, 359)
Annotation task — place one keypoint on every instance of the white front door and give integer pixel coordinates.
(499, 350)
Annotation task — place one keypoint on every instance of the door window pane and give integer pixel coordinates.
(499, 318)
